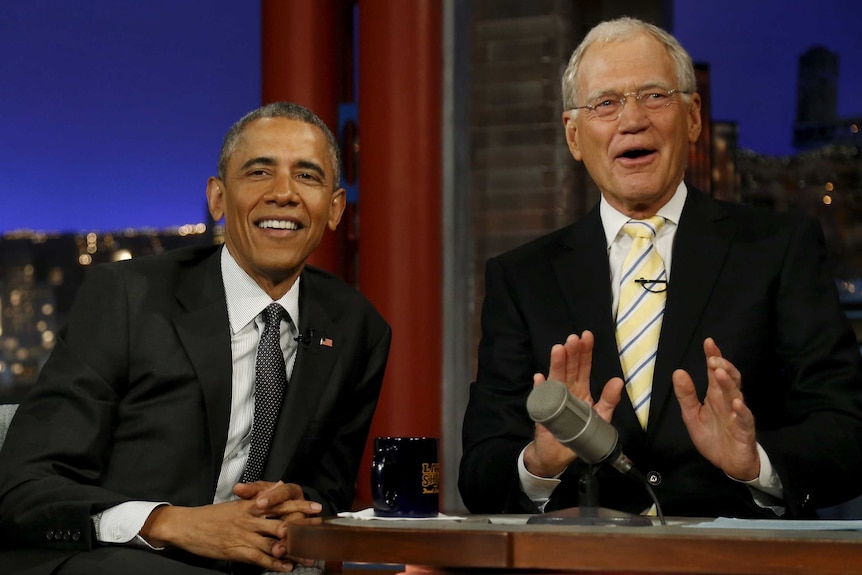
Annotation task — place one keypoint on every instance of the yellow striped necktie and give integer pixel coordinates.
(640, 311)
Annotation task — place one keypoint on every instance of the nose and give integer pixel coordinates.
(284, 190)
(633, 116)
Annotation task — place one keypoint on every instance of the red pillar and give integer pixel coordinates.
(302, 60)
(400, 243)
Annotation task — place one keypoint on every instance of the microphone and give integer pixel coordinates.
(575, 424)
(304, 339)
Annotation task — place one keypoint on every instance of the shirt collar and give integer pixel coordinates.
(246, 299)
(613, 221)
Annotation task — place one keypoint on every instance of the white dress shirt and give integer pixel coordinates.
(245, 302)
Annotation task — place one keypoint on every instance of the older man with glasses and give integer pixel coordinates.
(708, 334)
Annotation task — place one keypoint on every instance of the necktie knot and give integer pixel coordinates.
(273, 314)
(647, 228)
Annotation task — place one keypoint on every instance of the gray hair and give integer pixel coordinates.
(287, 110)
(617, 31)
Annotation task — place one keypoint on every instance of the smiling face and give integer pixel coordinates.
(277, 197)
(639, 159)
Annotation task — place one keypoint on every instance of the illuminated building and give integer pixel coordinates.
(39, 275)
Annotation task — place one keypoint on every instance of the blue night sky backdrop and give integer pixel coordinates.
(112, 111)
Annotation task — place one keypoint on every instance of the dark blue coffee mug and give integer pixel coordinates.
(405, 477)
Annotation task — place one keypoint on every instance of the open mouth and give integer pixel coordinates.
(278, 225)
(636, 153)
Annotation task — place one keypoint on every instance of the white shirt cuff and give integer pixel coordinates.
(768, 480)
(767, 490)
(121, 524)
(538, 489)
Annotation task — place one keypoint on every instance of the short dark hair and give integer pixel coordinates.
(287, 110)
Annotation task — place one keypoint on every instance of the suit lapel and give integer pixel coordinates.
(311, 373)
(700, 248)
(584, 275)
(205, 334)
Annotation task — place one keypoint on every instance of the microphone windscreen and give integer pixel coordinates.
(546, 400)
(572, 421)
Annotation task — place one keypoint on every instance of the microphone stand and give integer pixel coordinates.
(589, 512)
(588, 493)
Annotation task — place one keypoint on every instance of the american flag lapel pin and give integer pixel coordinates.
(326, 342)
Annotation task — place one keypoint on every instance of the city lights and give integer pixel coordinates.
(39, 274)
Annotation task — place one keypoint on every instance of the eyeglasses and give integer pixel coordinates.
(608, 107)
(652, 286)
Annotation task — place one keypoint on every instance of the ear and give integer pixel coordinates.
(337, 204)
(694, 121)
(215, 198)
(571, 127)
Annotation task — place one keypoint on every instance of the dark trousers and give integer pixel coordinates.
(115, 561)
(129, 561)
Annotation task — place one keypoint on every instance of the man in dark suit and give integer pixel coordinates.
(754, 404)
(128, 455)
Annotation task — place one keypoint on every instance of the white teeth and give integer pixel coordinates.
(277, 225)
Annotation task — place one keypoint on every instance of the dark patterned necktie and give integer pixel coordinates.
(270, 379)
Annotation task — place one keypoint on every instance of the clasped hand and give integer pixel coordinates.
(721, 428)
(252, 529)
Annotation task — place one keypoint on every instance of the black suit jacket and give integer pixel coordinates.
(134, 402)
(757, 282)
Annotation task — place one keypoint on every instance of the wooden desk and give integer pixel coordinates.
(450, 547)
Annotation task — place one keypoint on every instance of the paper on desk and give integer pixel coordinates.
(782, 524)
(369, 514)
(300, 569)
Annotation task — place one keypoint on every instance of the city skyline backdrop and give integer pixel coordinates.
(115, 113)
(753, 50)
